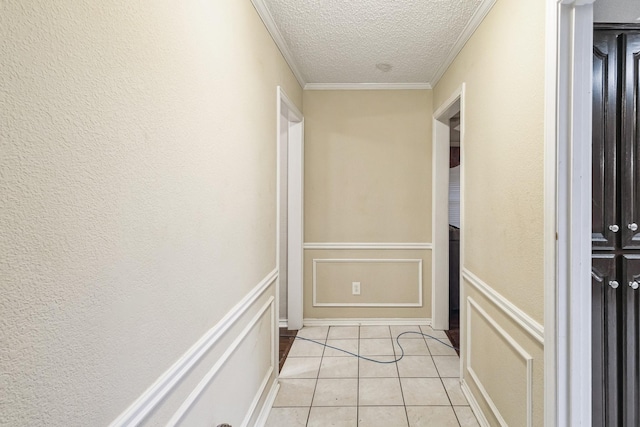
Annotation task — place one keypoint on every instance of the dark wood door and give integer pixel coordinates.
(629, 147)
(605, 321)
(605, 140)
(629, 347)
(615, 235)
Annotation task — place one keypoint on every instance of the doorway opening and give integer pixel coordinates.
(453, 331)
(289, 239)
(448, 186)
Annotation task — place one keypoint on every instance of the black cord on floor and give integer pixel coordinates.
(379, 361)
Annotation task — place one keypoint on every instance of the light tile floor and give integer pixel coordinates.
(320, 386)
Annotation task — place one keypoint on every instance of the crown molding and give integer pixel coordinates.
(276, 35)
(367, 86)
(464, 37)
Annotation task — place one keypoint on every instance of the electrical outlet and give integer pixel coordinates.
(355, 288)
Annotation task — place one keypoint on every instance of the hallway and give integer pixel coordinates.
(320, 386)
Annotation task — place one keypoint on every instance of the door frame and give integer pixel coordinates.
(567, 212)
(440, 212)
(295, 203)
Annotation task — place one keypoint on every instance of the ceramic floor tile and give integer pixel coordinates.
(336, 392)
(452, 385)
(314, 332)
(342, 332)
(375, 332)
(424, 391)
(417, 366)
(438, 348)
(301, 367)
(290, 417)
(332, 417)
(412, 347)
(466, 418)
(301, 348)
(379, 391)
(428, 330)
(382, 416)
(348, 345)
(295, 392)
(431, 416)
(376, 347)
(338, 367)
(397, 330)
(448, 366)
(371, 369)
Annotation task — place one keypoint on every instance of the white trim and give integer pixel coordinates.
(209, 376)
(380, 246)
(514, 344)
(146, 403)
(440, 202)
(283, 323)
(535, 329)
(295, 206)
(273, 369)
(473, 404)
(367, 86)
(373, 321)
(268, 405)
(568, 171)
(272, 28)
(463, 38)
(360, 261)
(550, 213)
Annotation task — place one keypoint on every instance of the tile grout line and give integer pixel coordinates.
(358, 382)
(317, 378)
(395, 355)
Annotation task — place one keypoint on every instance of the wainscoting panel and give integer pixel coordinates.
(395, 280)
(226, 377)
(502, 359)
(383, 282)
(233, 387)
(515, 366)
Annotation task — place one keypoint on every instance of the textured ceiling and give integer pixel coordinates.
(342, 41)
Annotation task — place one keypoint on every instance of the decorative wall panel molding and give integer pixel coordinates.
(417, 303)
(379, 246)
(211, 374)
(472, 304)
(150, 399)
(535, 329)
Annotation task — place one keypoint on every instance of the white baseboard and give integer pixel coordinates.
(473, 403)
(283, 323)
(268, 404)
(367, 322)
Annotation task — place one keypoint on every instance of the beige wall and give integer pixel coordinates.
(138, 188)
(503, 68)
(367, 180)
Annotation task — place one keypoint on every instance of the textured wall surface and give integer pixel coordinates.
(137, 192)
(342, 41)
(502, 66)
(503, 151)
(368, 180)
